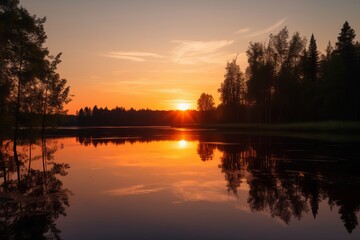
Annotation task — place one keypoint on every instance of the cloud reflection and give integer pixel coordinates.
(134, 190)
(210, 191)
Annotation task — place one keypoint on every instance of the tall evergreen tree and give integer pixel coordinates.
(345, 52)
(346, 39)
(313, 56)
(309, 92)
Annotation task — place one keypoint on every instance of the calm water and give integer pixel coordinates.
(179, 184)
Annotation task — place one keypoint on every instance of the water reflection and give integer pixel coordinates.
(206, 151)
(182, 143)
(32, 196)
(289, 179)
(285, 177)
(141, 177)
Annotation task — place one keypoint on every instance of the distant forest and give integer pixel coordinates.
(287, 80)
(120, 116)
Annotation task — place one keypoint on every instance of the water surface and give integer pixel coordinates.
(181, 184)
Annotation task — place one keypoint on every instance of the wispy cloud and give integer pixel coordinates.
(268, 29)
(133, 56)
(142, 81)
(168, 90)
(242, 30)
(193, 52)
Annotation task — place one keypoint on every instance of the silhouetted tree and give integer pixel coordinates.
(52, 92)
(7, 84)
(347, 78)
(23, 41)
(309, 92)
(260, 73)
(205, 102)
(232, 93)
(345, 43)
(28, 77)
(286, 89)
(278, 48)
(313, 60)
(206, 107)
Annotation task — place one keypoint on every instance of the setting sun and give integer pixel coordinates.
(183, 106)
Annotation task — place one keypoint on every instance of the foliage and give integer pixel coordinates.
(231, 90)
(287, 82)
(28, 77)
(205, 102)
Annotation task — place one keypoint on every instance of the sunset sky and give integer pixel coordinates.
(161, 53)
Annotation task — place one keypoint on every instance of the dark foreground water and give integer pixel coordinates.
(159, 183)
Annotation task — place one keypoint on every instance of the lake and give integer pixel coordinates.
(174, 183)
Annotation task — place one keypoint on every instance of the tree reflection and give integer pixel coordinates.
(232, 166)
(206, 151)
(120, 136)
(288, 179)
(30, 202)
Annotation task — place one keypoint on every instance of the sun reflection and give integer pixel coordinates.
(182, 143)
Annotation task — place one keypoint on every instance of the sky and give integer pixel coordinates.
(162, 54)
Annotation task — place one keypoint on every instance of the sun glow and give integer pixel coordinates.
(183, 106)
(182, 143)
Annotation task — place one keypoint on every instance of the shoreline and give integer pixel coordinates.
(328, 126)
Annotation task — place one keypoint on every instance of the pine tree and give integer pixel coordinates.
(346, 39)
(345, 52)
(313, 59)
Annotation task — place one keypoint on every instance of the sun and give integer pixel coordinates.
(183, 106)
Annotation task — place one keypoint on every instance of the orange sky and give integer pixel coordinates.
(157, 54)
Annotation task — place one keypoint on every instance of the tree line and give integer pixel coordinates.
(288, 80)
(120, 116)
